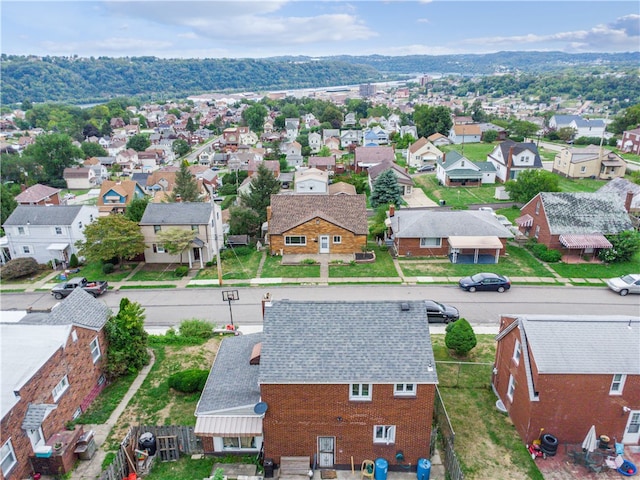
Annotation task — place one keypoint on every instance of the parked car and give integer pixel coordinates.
(426, 168)
(64, 289)
(440, 313)
(485, 209)
(69, 196)
(625, 284)
(485, 281)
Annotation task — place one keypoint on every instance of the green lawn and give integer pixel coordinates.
(383, 267)
(273, 269)
(476, 152)
(517, 263)
(580, 185)
(597, 270)
(155, 273)
(93, 271)
(242, 265)
(455, 197)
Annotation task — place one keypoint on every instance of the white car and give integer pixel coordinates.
(625, 284)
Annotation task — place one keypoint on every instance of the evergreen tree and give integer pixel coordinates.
(135, 210)
(386, 190)
(127, 350)
(263, 185)
(460, 337)
(186, 187)
(191, 126)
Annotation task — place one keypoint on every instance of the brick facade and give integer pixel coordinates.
(540, 229)
(349, 242)
(411, 247)
(299, 414)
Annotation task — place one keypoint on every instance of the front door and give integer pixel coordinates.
(326, 448)
(324, 243)
(632, 431)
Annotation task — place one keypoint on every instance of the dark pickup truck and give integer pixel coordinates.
(63, 289)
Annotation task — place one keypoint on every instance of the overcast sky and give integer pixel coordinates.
(244, 29)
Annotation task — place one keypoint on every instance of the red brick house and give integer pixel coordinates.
(317, 224)
(465, 236)
(39, 194)
(51, 371)
(565, 373)
(575, 223)
(366, 157)
(630, 142)
(365, 391)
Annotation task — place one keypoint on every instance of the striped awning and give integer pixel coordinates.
(524, 221)
(220, 426)
(595, 240)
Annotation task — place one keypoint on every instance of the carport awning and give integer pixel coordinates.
(57, 246)
(228, 426)
(525, 220)
(475, 242)
(595, 240)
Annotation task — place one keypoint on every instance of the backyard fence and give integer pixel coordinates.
(446, 437)
(464, 374)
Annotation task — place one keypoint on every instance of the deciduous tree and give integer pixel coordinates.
(180, 147)
(254, 116)
(386, 190)
(244, 221)
(531, 182)
(113, 236)
(7, 204)
(91, 149)
(54, 153)
(176, 240)
(139, 142)
(430, 120)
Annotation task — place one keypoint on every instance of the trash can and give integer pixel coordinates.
(147, 442)
(382, 467)
(424, 469)
(443, 202)
(268, 467)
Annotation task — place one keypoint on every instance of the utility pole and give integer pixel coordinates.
(214, 225)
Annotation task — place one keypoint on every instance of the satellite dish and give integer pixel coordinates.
(260, 408)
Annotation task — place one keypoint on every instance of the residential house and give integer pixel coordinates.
(589, 162)
(247, 137)
(98, 168)
(149, 160)
(311, 181)
(52, 369)
(403, 178)
(342, 188)
(327, 164)
(203, 219)
(465, 133)
(582, 127)
(231, 137)
(439, 139)
(79, 178)
(394, 390)
(317, 224)
(350, 138)
(454, 170)
(628, 191)
(315, 142)
(630, 142)
(575, 223)
(141, 179)
(292, 126)
(510, 158)
(464, 236)
(162, 180)
(408, 130)
(330, 133)
(422, 152)
(38, 194)
(333, 144)
(48, 234)
(291, 148)
(565, 373)
(488, 127)
(116, 196)
(349, 120)
(272, 165)
(366, 157)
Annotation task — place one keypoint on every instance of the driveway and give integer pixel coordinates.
(418, 199)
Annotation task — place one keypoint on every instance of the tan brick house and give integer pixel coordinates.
(363, 391)
(317, 224)
(565, 373)
(589, 162)
(51, 371)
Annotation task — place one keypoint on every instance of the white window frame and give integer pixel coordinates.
(60, 388)
(537, 231)
(303, 240)
(57, 230)
(404, 390)
(337, 239)
(239, 441)
(517, 352)
(511, 388)
(26, 249)
(95, 350)
(384, 434)
(617, 383)
(7, 453)
(21, 231)
(362, 394)
(583, 169)
(427, 242)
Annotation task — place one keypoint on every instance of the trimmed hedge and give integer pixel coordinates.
(181, 271)
(189, 381)
(19, 267)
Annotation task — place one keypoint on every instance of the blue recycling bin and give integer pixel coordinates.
(382, 467)
(424, 469)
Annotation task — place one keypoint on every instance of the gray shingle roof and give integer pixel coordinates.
(344, 342)
(620, 186)
(583, 344)
(232, 381)
(40, 215)
(346, 211)
(79, 308)
(185, 213)
(585, 213)
(519, 147)
(441, 224)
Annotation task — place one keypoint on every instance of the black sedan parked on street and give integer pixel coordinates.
(440, 313)
(485, 281)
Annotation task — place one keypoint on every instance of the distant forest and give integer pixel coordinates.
(77, 80)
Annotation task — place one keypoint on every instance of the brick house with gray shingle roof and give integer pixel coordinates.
(317, 224)
(355, 380)
(565, 373)
(574, 223)
(52, 369)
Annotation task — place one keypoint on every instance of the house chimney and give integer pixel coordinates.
(627, 201)
(444, 157)
(392, 210)
(268, 213)
(266, 302)
(23, 187)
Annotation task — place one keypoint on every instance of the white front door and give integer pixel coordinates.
(324, 243)
(36, 437)
(632, 430)
(326, 448)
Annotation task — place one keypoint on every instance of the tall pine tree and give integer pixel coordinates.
(263, 185)
(186, 187)
(386, 190)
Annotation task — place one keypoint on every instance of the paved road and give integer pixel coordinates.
(170, 307)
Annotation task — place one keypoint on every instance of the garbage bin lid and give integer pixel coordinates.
(146, 436)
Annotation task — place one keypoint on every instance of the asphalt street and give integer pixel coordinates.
(166, 308)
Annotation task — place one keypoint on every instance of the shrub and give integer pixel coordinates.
(19, 267)
(308, 261)
(181, 271)
(73, 261)
(196, 328)
(551, 256)
(189, 381)
(108, 268)
(460, 337)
